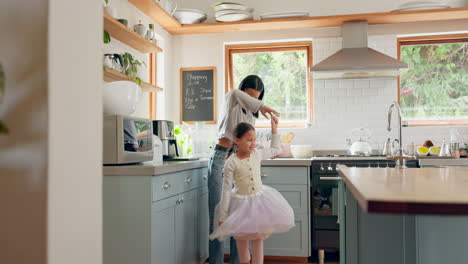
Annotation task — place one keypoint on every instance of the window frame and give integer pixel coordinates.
(422, 40)
(272, 47)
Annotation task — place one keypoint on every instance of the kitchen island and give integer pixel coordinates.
(416, 215)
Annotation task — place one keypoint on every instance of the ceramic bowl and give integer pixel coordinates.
(123, 21)
(189, 16)
(302, 151)
(121, 97)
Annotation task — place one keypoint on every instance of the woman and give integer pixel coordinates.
(240, 105)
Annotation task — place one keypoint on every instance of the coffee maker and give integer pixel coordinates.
(164, 129)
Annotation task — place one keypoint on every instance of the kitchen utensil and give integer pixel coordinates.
(444, 149)
(396, 147)
(360, 145)
(420, 5)
(123, 21)
(121, 97)
(170, 6)
(140, 29)
(284, 15)
(157, 149)
(189, 16)
(232, 6)
(302, 151)
(164, 129)
(235, 17)
(455, 150)
(387, 149)
(233, 11)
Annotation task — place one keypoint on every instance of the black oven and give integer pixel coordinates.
(324, 196)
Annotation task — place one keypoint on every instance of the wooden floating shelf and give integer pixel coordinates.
(150, 8)
(122, 33)
(111, 75)
(156, 12)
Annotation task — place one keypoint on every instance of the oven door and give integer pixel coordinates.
(325, 211)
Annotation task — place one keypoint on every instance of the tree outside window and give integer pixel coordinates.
(435, 88)
(284, 71)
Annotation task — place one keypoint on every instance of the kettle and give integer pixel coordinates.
(361, 147)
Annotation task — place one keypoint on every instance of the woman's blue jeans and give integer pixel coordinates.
(215, 185)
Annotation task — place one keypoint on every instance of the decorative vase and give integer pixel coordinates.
(150, 33)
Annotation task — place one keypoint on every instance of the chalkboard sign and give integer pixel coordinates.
(198, 94)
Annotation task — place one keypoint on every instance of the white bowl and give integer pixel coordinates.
(302, 151)
(120, 98)
(189, 16)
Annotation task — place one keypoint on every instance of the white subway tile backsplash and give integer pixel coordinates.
(343, 105)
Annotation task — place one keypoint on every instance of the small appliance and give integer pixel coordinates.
(164, 129)
(127, 140)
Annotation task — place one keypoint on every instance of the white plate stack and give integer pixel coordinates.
(230, 12)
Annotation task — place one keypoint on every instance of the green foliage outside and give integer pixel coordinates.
(284, 74)
(436, 85)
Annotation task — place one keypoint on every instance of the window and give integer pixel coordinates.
(283, 68)
(434, 91)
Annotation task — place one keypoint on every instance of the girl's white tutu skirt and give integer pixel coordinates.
(254, 216)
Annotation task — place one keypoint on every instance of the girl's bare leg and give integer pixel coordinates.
(243, 250)
(257, 251)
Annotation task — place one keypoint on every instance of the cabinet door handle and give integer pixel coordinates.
(188, 180)
(181, 200)
(205, 177)
(166, 186)
(178, 201)
(263, 174)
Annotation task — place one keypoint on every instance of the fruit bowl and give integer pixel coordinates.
(189, 16)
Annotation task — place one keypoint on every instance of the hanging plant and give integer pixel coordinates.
(131, 66)
(107, 37)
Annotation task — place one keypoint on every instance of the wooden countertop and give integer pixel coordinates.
(409, 191)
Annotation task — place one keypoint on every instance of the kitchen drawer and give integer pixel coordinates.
(285, 175)
(167, 185)
(296, 195)
(170, 184)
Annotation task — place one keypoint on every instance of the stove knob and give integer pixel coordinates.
(378, 164)
(330, 168)
(321, 167)
(369, 165)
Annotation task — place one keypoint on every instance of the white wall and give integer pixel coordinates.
(23, 153)
(125, 9)
(339, 106)
(315, 8)
(74, 155)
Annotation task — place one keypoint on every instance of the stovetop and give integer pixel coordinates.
(348, 157)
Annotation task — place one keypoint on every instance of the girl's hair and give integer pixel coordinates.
(240, 130)
(253, 82)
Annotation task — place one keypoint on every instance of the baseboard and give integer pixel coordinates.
(278, 259)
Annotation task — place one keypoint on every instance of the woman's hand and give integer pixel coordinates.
(267, 110)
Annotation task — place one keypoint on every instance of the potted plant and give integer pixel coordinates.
(132, 66)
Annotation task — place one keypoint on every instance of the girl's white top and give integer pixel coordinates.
(245, 174)
(234, 101)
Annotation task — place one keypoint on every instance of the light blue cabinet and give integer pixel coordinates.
(377, 238)
(203, 224)
(156, 219)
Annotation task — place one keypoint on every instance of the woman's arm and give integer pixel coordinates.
(229, 167)
(246, 101)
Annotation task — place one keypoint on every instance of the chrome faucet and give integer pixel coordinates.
(401, 164)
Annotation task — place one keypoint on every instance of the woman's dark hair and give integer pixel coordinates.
(253, 82)
(240, 130)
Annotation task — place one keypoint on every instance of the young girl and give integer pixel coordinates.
(250, 211)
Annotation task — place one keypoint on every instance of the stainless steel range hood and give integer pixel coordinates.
(355, 59)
